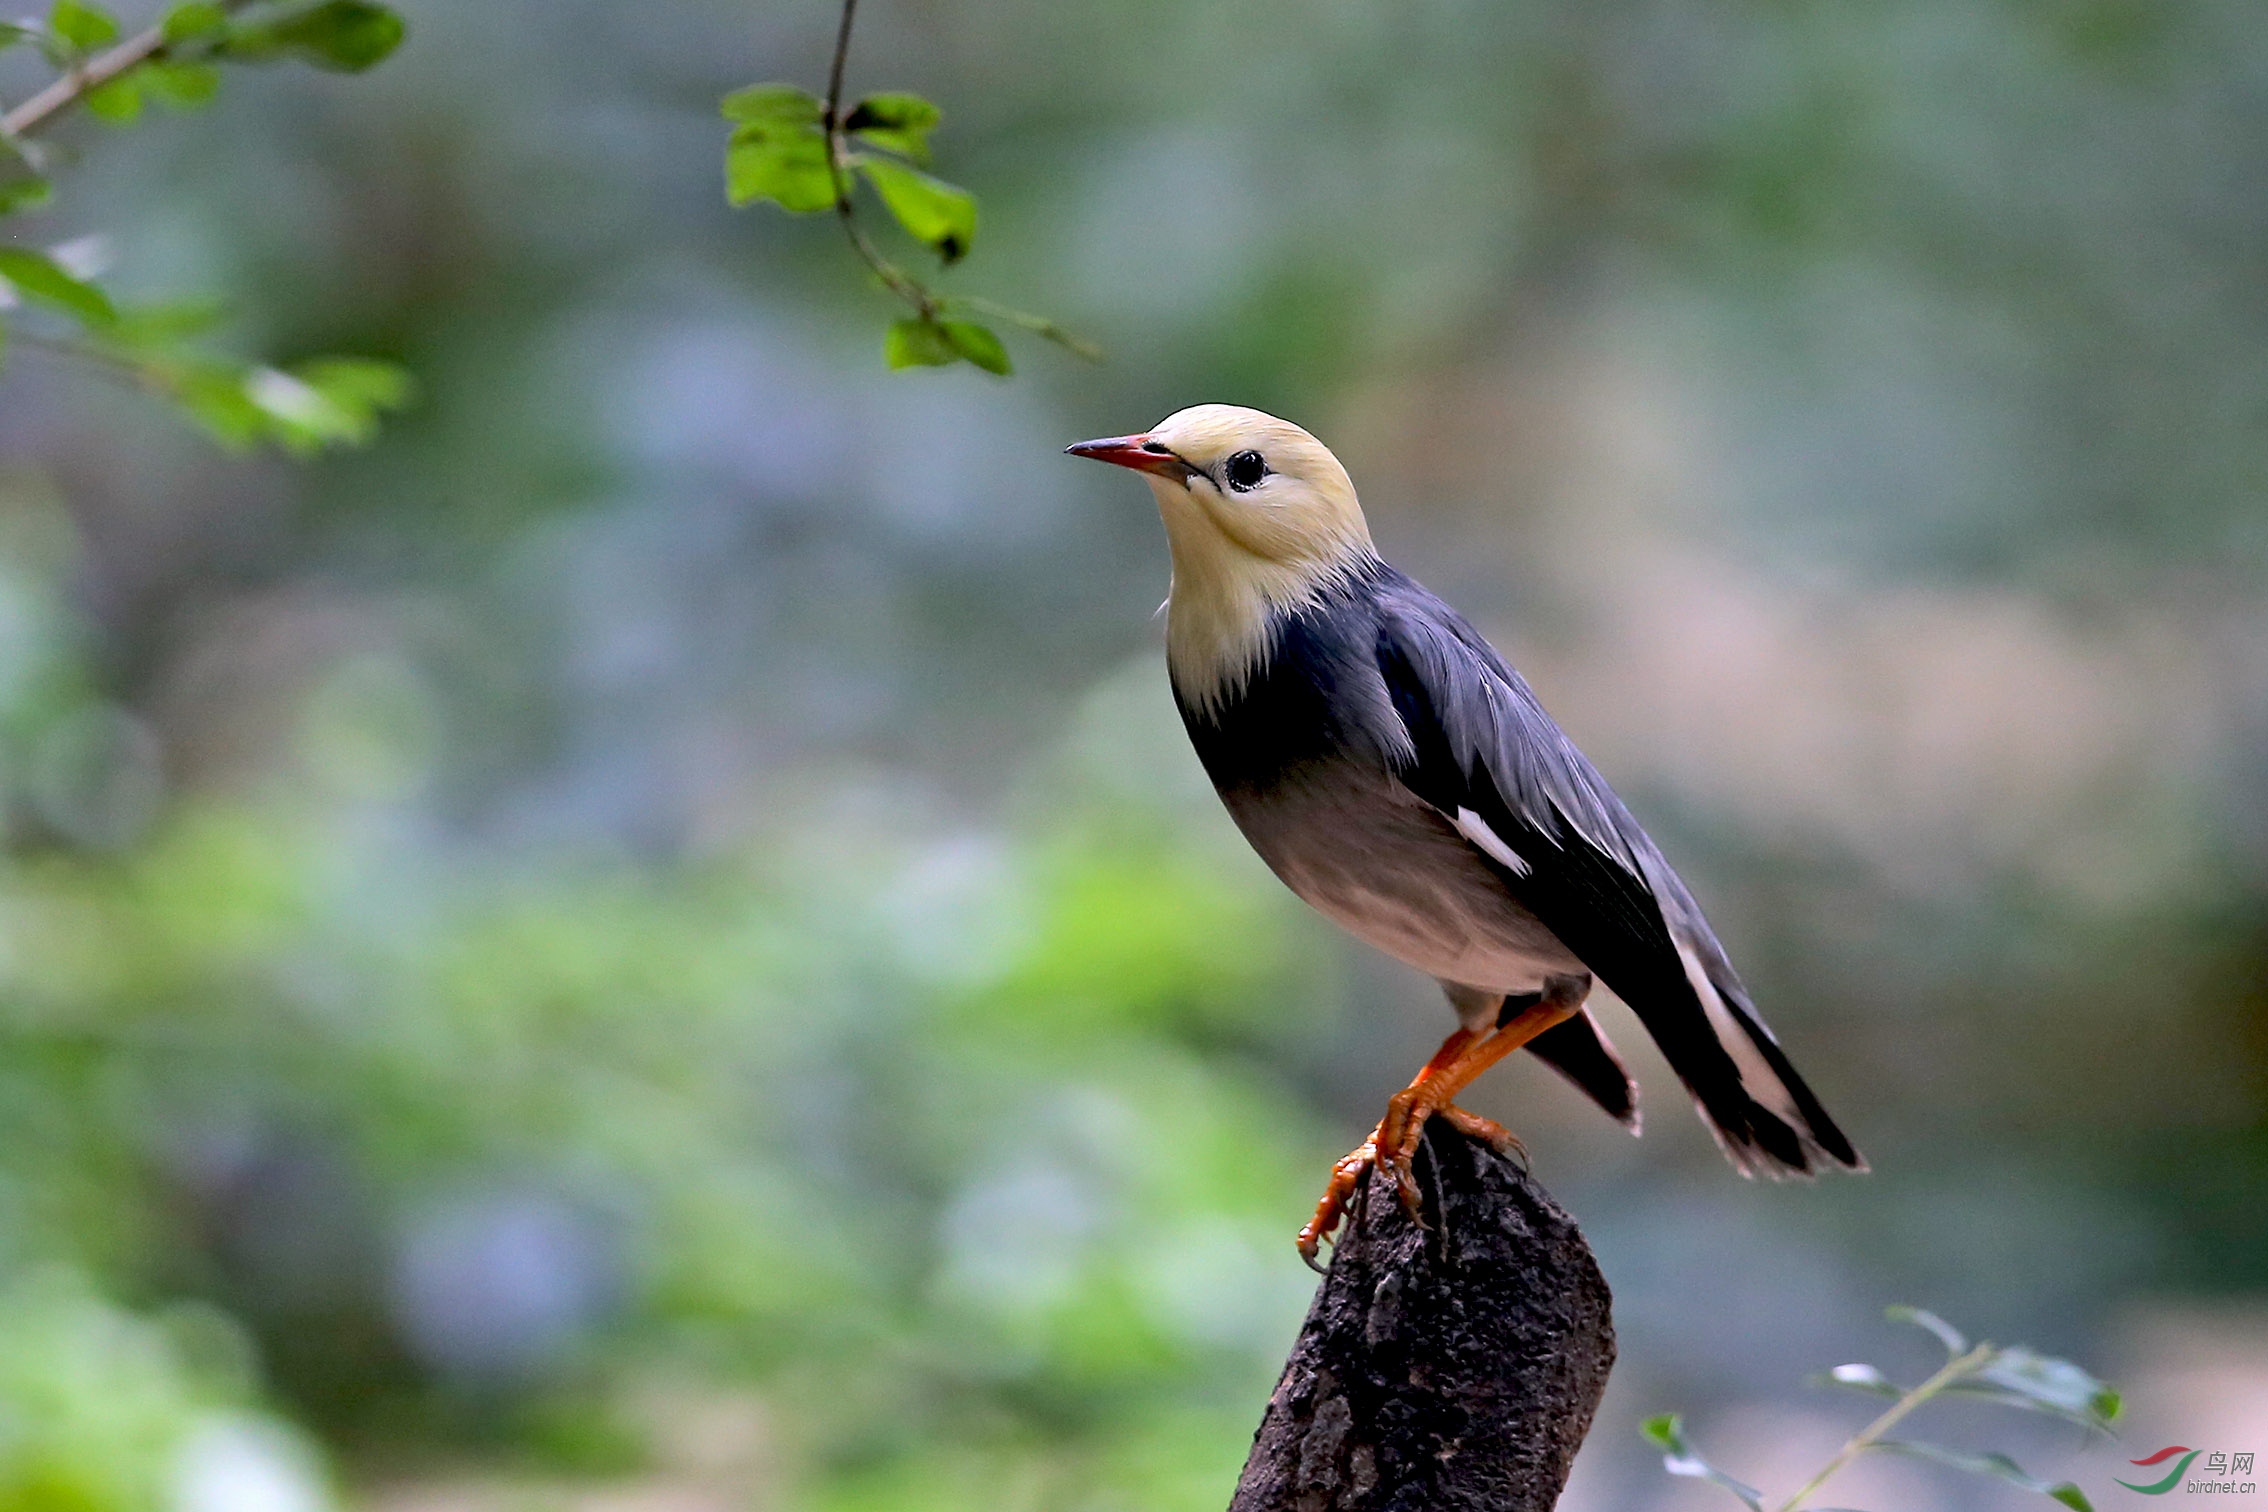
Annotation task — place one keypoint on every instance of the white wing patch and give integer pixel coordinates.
(1474, 828)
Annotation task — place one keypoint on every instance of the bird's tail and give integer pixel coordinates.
(1765, 1118)
(1579, 1050)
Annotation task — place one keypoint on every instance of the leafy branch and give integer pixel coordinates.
(807, 155)
(2010, 1377)
(50, 298)
(80, 79)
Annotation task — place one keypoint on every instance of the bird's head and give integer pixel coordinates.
(1260, 517)
(1234, 483)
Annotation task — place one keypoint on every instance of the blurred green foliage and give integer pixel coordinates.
(102, 1409)
(1018, 1213)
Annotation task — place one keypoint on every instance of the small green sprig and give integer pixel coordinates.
(807, 154)
(50, 297)
(2010, 1377)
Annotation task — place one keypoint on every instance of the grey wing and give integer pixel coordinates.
(1485, 754)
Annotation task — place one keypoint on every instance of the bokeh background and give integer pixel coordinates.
(651, 941)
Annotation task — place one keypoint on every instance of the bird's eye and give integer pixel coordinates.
(1245, 470)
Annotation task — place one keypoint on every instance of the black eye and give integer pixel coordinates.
(1245, 470)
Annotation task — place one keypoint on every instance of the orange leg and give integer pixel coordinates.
(1463, 1056)
(1347, 1174)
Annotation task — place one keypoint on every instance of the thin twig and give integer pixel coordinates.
(1038, 325)
(928, 303)
(84, 77)
(81, 79)
(112, 364)
(842, 56)
(896, 278)
(1867, 1437)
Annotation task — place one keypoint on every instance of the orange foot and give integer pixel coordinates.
(1392, 1146)
(1487, 1130)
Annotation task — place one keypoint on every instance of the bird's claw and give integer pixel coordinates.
(1346, 1179)
(1487, 1130)
(1346, 1176)
(1394, 1152)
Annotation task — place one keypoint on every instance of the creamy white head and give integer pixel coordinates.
(1259, 516)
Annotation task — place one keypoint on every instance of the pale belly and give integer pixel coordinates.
(1393, 873)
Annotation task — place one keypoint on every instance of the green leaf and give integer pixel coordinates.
(214, 396)
(899, 122)
(119, 101)
(81, 25)
(978, 344)
(324, 401)
(359, 385)
(40, 277)
(786, 164)
(12, 32)
(298, 407)
(160, 325)
(24, 194)
(192, 21)
(915, 342)
(2019, 1377)
(1993, 1464)
(773, 104)
(932, 211)
(182, 85)
(345, 36)
(327, 401)
(1863, 1377)
(1667, 1433)
(1947, 1334)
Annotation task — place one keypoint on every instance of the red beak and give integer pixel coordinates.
(1138, 452)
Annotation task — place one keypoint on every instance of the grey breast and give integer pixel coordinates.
(1392, 872)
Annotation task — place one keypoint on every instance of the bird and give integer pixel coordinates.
(1395, 772)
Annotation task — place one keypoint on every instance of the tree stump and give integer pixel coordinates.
(1448, 1368)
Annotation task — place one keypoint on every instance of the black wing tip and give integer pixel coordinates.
(1775, 1149)
(1801, 1137)
(1579, 1050)
(1626, 1113)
